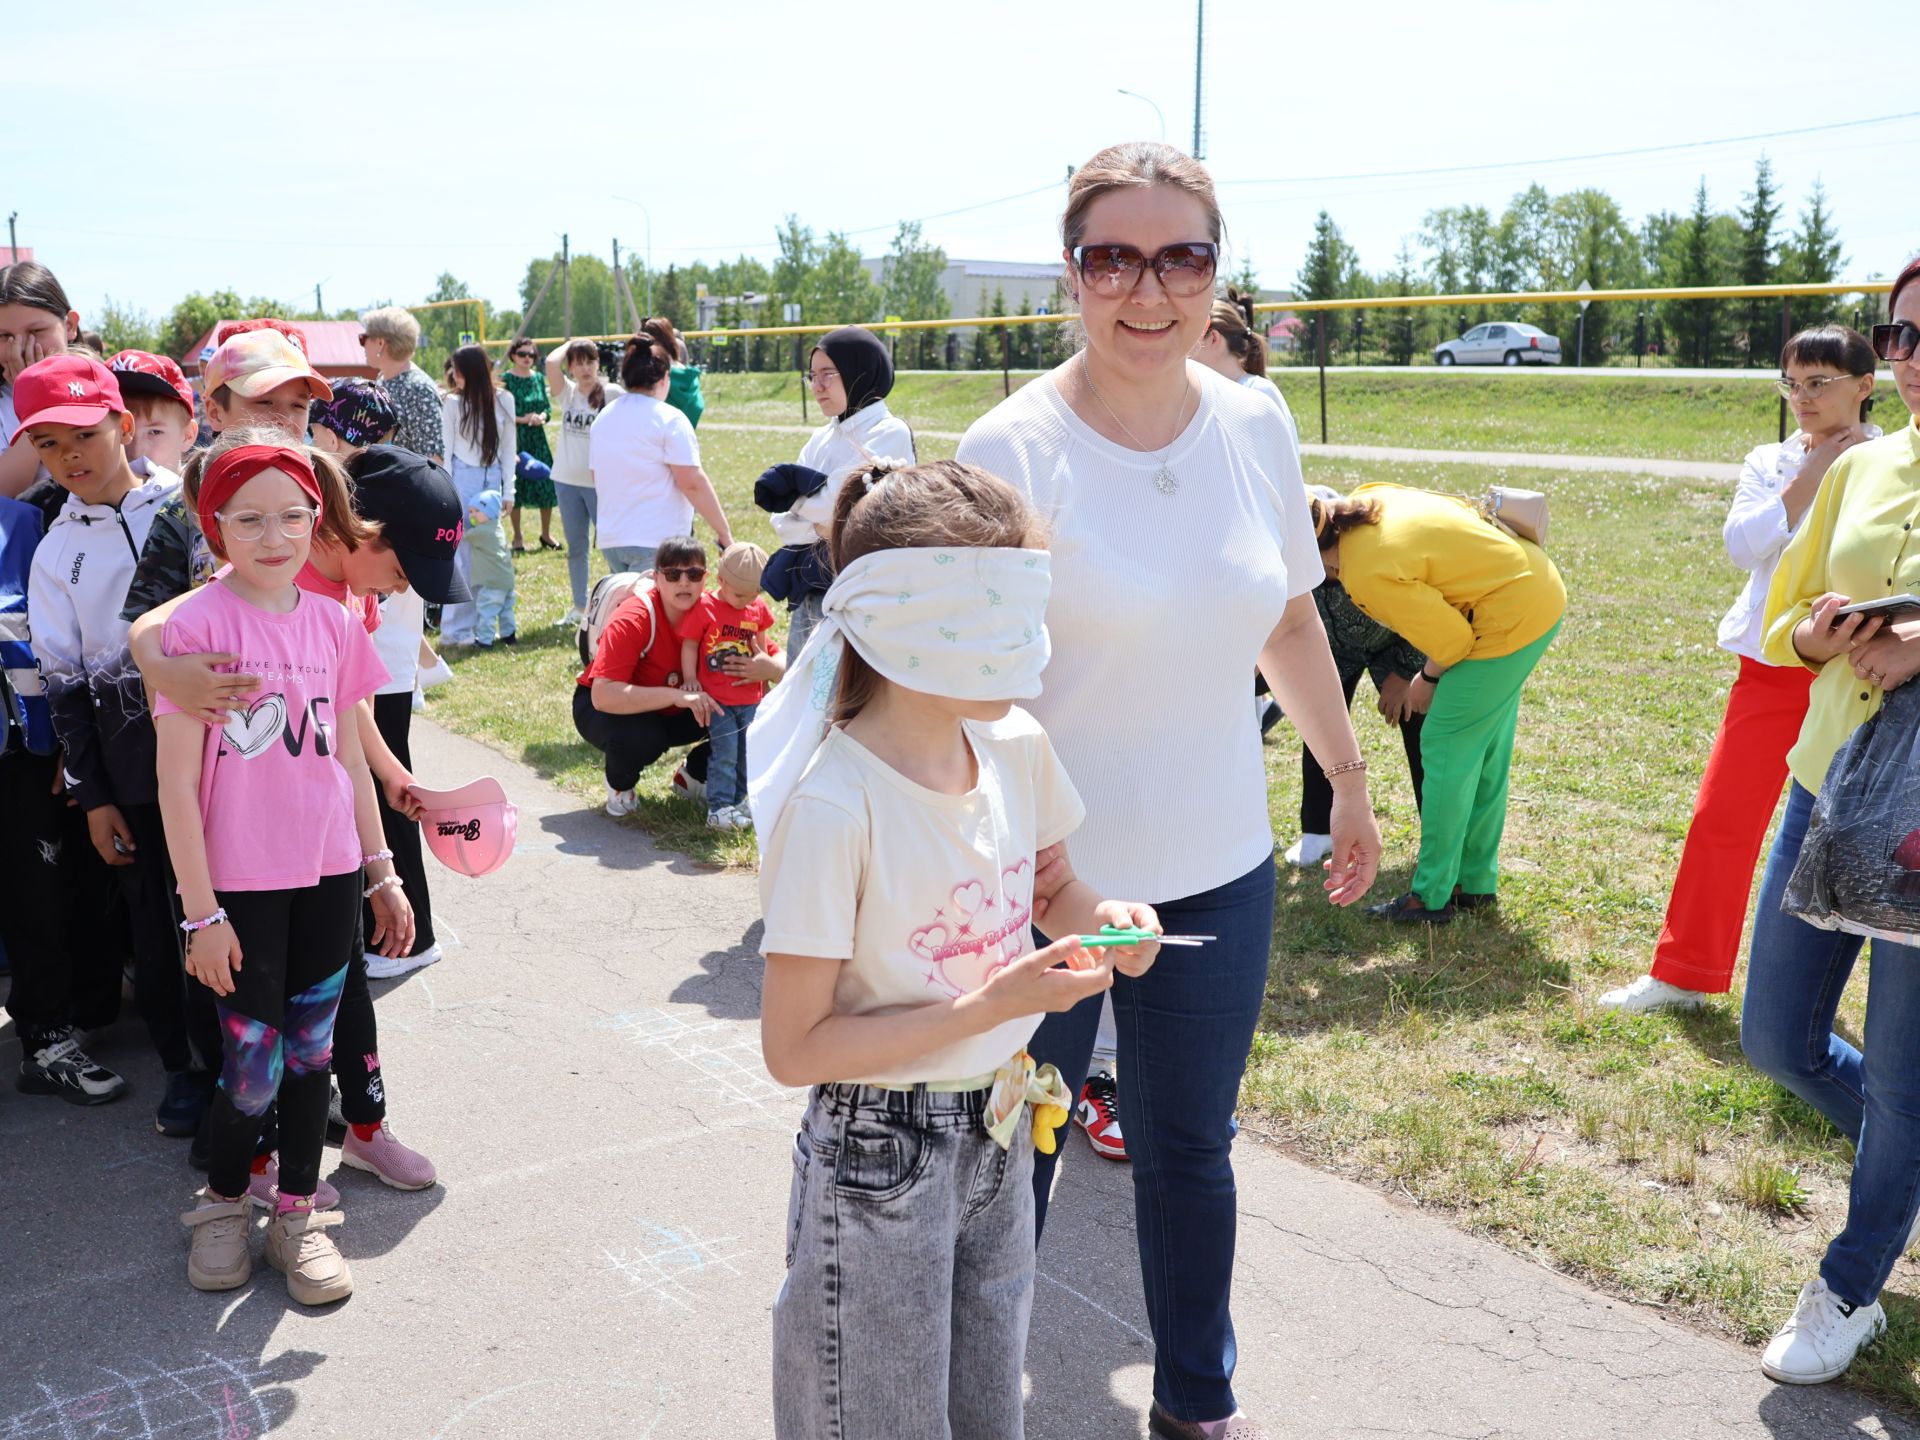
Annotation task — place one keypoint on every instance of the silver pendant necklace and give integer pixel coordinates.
(1164, 480)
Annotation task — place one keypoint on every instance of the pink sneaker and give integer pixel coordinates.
(264, 1189)
(387, 1158)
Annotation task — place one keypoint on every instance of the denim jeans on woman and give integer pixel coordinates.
(456, 621)
(1796, 974)
(909, 1271)
(1185, 1028)
(579, 512)
(622, 558)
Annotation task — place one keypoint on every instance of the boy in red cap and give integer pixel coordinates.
(73, 416)
(161, 403)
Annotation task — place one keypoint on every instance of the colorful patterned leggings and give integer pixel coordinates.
(277, 1027)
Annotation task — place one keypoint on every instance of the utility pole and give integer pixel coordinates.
(566, 286)
(619, 315)
(13, 242)
(318, 308)
(1199, 76)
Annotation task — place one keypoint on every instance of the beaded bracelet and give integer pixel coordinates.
(375, 858)
(219, 917)
(1332, 770)
(379, 885)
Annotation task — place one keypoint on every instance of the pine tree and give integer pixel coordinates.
(1691, 263)
(1328, 270)
(1812, 255)
(1757, 263)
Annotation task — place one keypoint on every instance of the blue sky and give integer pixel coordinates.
(371, 159)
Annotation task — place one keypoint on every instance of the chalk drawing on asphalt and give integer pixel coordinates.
(213, 1400)
(669, 1264)
(724, 1055)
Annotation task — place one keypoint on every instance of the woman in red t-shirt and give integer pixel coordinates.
(630, 702)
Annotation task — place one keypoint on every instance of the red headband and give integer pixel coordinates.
(233, 469)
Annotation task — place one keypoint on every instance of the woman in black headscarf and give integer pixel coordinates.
(850, 373)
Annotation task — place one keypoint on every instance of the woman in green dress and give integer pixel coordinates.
(531, 405)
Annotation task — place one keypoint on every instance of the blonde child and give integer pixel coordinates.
(902, 825)
(726, 651)
(272, 907)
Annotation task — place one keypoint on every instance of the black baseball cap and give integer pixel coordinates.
(419, 514)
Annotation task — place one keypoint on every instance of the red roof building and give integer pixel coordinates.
(333, 346)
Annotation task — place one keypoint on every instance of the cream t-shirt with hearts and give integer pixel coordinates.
(921, 896)
(275, 801)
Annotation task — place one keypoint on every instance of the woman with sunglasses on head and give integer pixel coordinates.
(1181, 533)
(1826, 374)
(850, 373)
(1857, 542)
(532, 408)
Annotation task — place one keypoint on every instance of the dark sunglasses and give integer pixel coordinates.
(1184, 269)
(363, 339)
(526, 355)
(1896, 341)
(674, 574)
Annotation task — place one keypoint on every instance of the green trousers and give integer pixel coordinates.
(1466, 749)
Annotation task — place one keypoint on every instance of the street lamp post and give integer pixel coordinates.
(649, 214)
(1156, 111)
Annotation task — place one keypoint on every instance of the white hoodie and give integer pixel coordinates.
(74, 597)
(837, 447)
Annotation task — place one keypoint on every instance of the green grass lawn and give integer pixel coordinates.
(1642, 417)
(1467, 1070)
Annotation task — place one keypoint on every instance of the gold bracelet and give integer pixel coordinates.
(1332, 770)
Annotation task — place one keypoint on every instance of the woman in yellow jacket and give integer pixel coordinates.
(1858, 542)
(1484, 605)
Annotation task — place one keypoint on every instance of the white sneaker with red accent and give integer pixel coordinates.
(386, 1157)
(1098, 1114)
(688, 788)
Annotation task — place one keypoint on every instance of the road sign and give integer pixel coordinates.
(791, 312)
(1584, 285)
(466, 337)
(719, 338)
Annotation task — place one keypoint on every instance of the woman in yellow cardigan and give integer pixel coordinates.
(1858, 542)
(1484, 605)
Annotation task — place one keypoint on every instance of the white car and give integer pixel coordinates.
(1500, 344)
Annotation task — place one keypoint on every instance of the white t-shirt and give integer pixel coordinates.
(869, 434)
(1261, 385)
(403, 621)
(632, 443)
(923, 896)
(1160, 607)
(463, 447)
(570, 464)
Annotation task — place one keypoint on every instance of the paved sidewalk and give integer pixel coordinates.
(601, 1255)
(1490, 459)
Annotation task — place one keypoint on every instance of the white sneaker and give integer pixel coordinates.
(688, 788)
(723, 818)
(572, 620)
(1647, 993)
(620, 802)
(742, 817)
(386, 967)
(1309, 850)
(1820, 1338)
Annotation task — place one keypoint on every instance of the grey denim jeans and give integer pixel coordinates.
(909, 1271)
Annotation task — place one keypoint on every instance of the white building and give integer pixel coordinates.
(965, 281)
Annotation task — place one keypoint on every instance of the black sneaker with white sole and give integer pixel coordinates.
(56, 1065)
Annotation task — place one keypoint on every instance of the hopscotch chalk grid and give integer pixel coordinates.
(668, 1259)
(216, 1399)
(725, 1055)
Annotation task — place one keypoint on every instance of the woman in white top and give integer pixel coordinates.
(1233, 348)
(1827, 377)
(574, 379)
(644, 463)
(477, 416)
(1182, 556)
(851, 374)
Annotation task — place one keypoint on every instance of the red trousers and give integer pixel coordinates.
(1700, 940)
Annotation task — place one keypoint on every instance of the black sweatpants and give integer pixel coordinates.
(277, 1027)
(99, 934)
(36, 896)
(393, 717)
(1316, 791)
(633, 742)
(183, 1026)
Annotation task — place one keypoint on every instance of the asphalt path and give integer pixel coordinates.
(601, 1254)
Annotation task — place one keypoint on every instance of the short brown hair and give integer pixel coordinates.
(1137, 164)
(397, 327)
(646, 362)
(921, 507)
(144, 404)
(1839, 346)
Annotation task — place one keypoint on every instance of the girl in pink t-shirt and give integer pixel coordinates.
(271, 822)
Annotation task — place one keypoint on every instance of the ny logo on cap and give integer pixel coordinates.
(76, 388)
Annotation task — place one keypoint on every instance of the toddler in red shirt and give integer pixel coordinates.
(724, 647)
